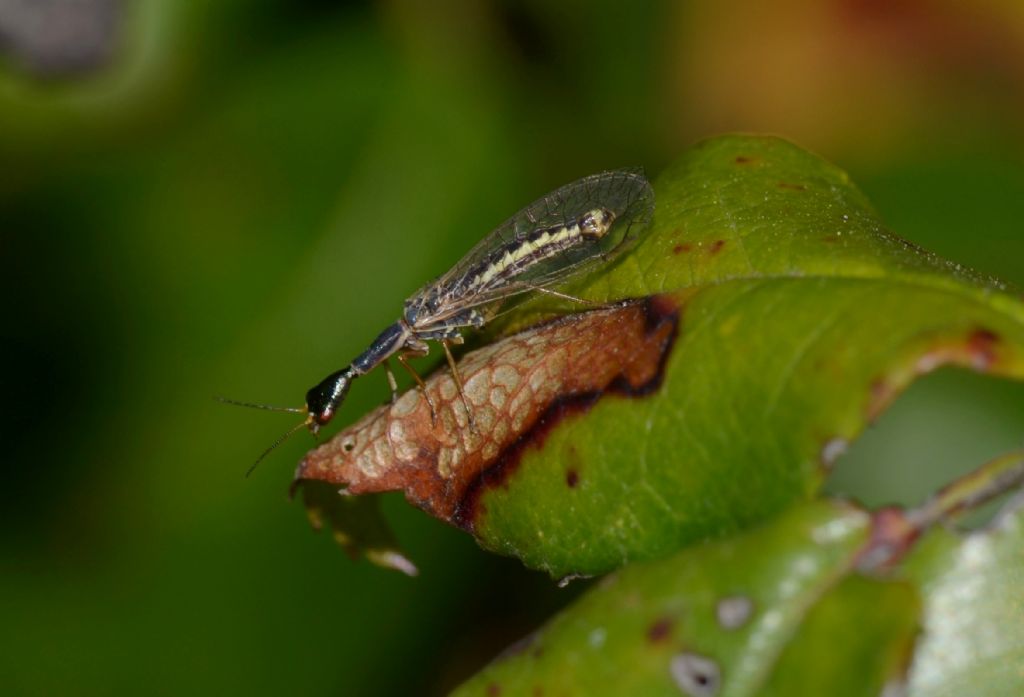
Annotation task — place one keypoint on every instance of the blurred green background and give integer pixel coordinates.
(233, 197)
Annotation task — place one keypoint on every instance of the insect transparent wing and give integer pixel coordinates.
(626, 193)
(497, 297)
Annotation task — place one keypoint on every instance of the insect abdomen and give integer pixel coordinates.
(514, 258)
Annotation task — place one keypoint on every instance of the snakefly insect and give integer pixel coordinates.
(572, 229)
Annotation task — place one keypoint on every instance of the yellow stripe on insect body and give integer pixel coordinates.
(545, 245)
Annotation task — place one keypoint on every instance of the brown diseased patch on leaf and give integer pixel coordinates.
(682, 247)
(716, 247)
(520, 388)
(792, 187)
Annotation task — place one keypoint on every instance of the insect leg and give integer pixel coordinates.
(392, 383)
(446, 343)
(403, 358)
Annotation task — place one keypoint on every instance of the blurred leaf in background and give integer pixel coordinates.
(234, 197)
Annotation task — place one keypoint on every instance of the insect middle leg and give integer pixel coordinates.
(403, 358)
(446, 343)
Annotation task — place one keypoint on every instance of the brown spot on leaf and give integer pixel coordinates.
(493, 689)
(659, 631)
(521, 388)
(881, 392)
(572, 478)
(575, 463)
(892, 535)
(716, 247)
(792, 187)
(745, 159)
(682, 247)
(981, 345)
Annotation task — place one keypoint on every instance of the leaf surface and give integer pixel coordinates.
(767, 612)
(973, 635)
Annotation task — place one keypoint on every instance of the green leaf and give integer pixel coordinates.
(356, 524)
(769, 612)
(802, 318)
(781, 318)
(856, 640)
(973, 636)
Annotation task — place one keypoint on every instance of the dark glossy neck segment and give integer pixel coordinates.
(324, 398)
(387, 343)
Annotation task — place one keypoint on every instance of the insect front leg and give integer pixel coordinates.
(418, 348)
(392, 383)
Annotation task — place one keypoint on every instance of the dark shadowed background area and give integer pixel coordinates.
(233, 197)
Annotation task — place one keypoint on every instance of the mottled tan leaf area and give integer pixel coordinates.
(518, 389)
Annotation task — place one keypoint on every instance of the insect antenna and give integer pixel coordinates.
(276, 443)
(270, 407)
(254, 405)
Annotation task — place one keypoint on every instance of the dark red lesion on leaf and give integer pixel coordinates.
(716, 247)
(981, 345)
(575, 464)
(792, 187)
(746, 159)
(892, 536)
(520, 389)
(660, 630)
(682, 247)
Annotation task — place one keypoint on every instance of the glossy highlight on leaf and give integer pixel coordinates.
(972, 639)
